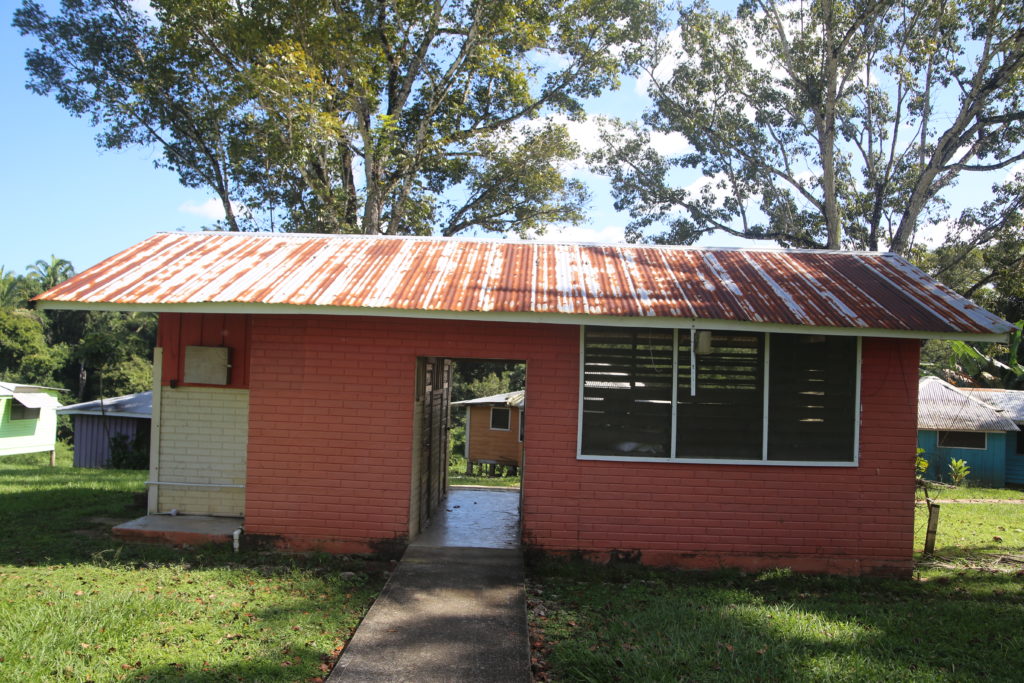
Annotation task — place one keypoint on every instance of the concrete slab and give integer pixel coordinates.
(179, 529)
(446, 614)
(474, 517)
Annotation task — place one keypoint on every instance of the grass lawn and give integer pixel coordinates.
(457, 475)
(940, 492)
(960, 618)
(79, 605)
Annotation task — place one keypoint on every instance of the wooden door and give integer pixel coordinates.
(437, 374)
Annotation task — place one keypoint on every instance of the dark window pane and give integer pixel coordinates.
(723, 419)
(499, 418)
(811, 397)
(627, 392)
(962, 440)
(20, 412)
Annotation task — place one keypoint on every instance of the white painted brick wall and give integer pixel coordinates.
(203, 440)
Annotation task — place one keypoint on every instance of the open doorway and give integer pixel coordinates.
(468, 453)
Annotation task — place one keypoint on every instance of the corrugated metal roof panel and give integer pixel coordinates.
(132, 405)
(516, 399)
(172, 271)
(1010, 401)
(940, 405)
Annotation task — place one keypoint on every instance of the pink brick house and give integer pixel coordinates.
(695, 407)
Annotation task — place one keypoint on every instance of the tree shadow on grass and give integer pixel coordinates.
(665, 625)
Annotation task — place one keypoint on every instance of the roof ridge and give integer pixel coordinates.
(514, 241)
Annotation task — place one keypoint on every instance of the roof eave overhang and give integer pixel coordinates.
(520, 317)
(109, 413)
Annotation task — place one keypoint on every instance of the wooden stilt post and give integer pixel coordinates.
(53, 458)
(933, 526)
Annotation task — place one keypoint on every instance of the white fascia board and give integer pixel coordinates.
(512, 317)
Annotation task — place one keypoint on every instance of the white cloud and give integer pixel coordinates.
(611, 234)
(144, 7)
(932, 235)
(1013, 171)
(211, 209)
(670, 144)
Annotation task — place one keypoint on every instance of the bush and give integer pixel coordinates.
(129, 454)
(958, 471)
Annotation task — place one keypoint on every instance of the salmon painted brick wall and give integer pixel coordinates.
(330, 437)
(331, 410)
(845, 520)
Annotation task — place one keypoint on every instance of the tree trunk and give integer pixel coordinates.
(827, 139)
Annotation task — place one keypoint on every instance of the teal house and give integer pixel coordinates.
(1011, 403)
(953, 423)
(28, 418)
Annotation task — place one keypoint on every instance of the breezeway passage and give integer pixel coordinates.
(455, 608)
(474, 517)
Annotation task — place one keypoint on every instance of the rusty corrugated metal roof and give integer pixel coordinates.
(858, 291)
(942, 406)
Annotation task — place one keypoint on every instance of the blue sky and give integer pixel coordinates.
(61, 195)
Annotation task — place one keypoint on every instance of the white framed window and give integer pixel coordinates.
(500, 418)
(970, 440)
(719, 396)
(20, 412)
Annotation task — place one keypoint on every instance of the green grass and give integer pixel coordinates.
(457, 475)
(77, 604)
(951, 622)
(945, 492)
(974, 531)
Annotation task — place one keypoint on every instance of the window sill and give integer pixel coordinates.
(715, 461)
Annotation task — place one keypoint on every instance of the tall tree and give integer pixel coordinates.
(47, 274)
(824, 123)
(400, 116)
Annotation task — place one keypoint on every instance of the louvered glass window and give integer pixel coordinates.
(627, 392)
(719, 395)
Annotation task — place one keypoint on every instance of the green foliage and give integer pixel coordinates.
(457, 444)
(958, 471)
(824, 123)
(24, 354)
(90, 353)
(357, 116)
(990, 365)
(129, 454)
(920, 463)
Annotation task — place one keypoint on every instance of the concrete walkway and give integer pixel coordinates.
(450, 613)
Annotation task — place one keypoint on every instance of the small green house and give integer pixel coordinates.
(28, 418)
(953, 424)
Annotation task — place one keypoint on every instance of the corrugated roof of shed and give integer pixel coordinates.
(337, 274)
(1010, 401)
(132, 405)
(515, 399)
(942, 406)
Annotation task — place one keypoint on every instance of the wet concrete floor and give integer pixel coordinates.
(474, 517)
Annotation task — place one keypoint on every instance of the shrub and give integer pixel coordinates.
(920, 463)
(129, 454)
(958, 471)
